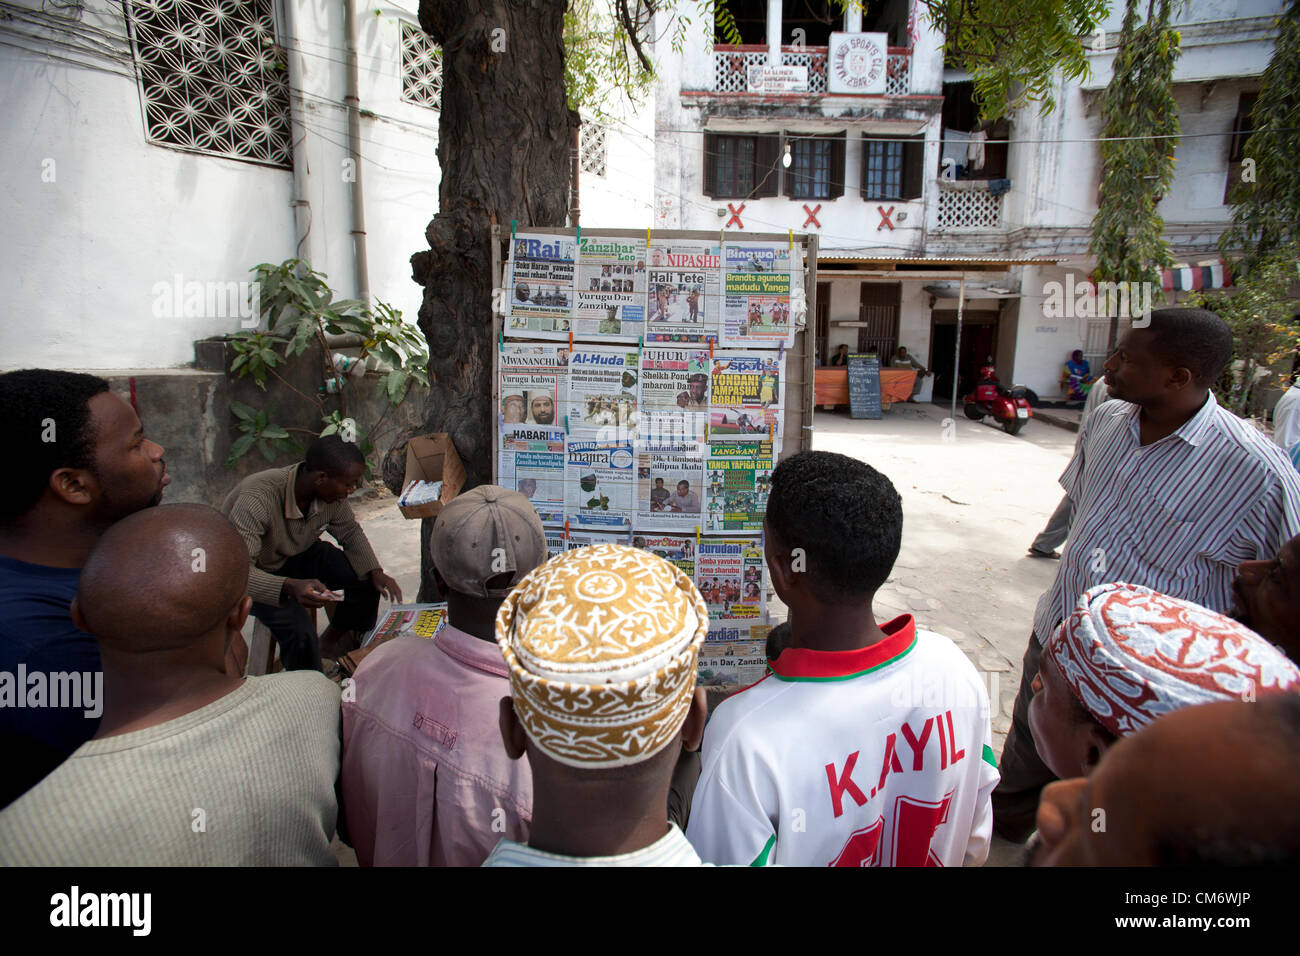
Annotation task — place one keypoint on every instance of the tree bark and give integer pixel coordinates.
(504, 140)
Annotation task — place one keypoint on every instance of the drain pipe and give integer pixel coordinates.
(353, 101)
(298, 133)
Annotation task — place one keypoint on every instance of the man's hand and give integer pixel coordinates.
(386, 586)
(308, 592)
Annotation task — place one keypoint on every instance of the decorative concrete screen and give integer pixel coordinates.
(421, 68)
(212, 79)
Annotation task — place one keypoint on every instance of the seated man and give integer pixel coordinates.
(1214, 785)
(192, 765)
(902, 359)
(841, 356)
(658, 495)
(602, 645)
(79, 461)
(280, 513)
(1127, 655)
(425, 781)
(1266, 597)
(865, 743)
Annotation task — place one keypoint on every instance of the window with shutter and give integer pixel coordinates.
(816, 168)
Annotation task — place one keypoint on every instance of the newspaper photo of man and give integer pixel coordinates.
(512, 409)
(696, 394)
(541, 407)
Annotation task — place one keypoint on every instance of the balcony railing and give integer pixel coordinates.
(968, 204)
(731, 66)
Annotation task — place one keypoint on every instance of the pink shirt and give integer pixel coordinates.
(426, 779)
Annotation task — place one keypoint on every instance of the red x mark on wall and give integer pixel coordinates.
(735, 215)
(812, 216)
(884, 217)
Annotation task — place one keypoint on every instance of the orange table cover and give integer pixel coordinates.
(831, 385)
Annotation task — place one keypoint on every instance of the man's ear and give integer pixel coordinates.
(693, 726)
(239, 614)
(77, 617)
(76, 486)
(512, 731)
(1181, 378)
(1097, 743)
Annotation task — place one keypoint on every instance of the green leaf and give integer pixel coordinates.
(241, 410)
(267, 451)
(241, 445)
(274, 431)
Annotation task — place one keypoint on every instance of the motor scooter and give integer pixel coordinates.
(1010, 406)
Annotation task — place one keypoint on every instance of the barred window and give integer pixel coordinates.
(212, 78)
(816, 167)
(891, 168)
(594, 153)
(421, 68)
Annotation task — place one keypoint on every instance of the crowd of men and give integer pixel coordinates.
(555, 720)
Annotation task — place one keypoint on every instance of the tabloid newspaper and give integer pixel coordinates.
(598, 484)
(610, 288)
(731, 665)
(738, 479)
(730, 576)
(747, 396)
(756, 290)
(532, 382)
(408, 620)
(582, 539)
(674, 396)
(602, 395)
(682, 300)
(669, 488)
(676, 549)
(531, 461)
(539, 297)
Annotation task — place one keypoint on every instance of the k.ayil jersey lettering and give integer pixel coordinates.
(875, 757)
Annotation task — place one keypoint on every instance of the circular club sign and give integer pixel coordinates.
(858, 62)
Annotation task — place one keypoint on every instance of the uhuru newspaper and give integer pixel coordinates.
(756, 284)
(674, 395)
(669, 487)
(602, 402)
(532, 383)
(738, 479)
(539, 300)
(531, 461)
(598, 484)
(610, 288)
(746, 396)
(677, 549)
(682, 303)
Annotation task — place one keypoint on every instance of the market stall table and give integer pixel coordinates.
(831, 385)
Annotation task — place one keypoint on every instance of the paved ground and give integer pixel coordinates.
(973, 499)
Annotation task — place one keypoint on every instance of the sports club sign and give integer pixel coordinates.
(857, 62)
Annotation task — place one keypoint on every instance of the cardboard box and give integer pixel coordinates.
(433, 457)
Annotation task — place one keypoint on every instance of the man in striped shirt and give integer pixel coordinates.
(1169, 491)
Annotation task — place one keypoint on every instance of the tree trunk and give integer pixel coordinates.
(504, 140)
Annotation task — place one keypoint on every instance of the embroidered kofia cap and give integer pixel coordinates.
(1131, 654)
(602, 644)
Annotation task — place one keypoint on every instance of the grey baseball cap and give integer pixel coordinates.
(485, 532)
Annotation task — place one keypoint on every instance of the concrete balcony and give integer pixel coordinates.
(737, 69)
(968, 205)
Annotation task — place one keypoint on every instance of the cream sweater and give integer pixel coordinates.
(247, 780)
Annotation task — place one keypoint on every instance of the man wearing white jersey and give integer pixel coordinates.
(867, 744)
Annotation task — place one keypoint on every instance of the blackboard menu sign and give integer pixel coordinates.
(864, 385)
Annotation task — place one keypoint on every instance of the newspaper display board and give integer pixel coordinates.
(646, 385)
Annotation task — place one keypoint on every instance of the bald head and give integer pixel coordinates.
(162, 578)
